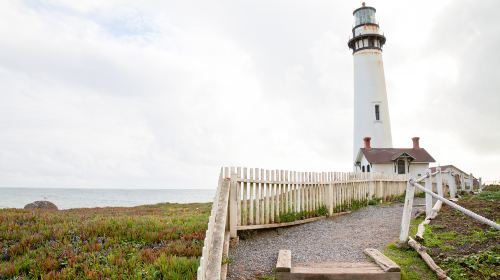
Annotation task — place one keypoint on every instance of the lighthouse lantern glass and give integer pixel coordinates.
(363, 16)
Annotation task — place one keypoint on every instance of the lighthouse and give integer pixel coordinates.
(371, 110)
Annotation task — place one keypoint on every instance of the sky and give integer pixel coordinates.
(161, 94)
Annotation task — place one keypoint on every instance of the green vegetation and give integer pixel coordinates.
(412, 265)
(294, 216)
(461, 246)
(464, 248)
(161, 241)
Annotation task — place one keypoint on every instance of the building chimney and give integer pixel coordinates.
(415, 140)
(367, 142)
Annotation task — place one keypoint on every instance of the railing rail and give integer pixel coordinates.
(250, 198)
(263, 197)
(429, 194)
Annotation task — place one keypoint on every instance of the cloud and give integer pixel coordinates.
(157, 94)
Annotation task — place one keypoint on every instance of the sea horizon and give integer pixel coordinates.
(80, 197)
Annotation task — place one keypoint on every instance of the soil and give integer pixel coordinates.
(463, 247)
(450, 219)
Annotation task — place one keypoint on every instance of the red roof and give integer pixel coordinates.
(389, 155)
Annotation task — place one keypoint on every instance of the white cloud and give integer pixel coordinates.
(161, 94)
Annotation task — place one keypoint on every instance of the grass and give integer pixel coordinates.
(462, 247)
(412, 265)
(161, 241)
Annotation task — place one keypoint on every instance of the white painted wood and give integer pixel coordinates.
(272, 199)
(233, 206)
(439, 181)
(428, 197)
(452, 185)
(471, 183)
(267, 199)
(405, 219)
(251, 198)
(459, 208)
(262, 196)
(238, 194)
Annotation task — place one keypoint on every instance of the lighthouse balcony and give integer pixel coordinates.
(366, 41)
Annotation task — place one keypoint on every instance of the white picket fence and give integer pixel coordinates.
(266, 197)
(438, 177)
(251, 198)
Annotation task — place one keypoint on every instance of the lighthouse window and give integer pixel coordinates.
(363, 168)
(370, 43)
(377, 112)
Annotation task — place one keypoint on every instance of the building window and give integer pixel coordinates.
(367, 168)
(377, 112)
(401, 166)
(370, 42)
(363, 168)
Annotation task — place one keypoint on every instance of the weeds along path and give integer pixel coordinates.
(341, 238)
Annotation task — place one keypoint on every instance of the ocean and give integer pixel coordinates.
(87, 198)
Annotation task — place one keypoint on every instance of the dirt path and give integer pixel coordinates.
(340, 238)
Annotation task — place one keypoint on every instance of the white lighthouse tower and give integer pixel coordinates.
(371, 110)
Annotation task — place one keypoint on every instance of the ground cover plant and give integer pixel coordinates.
(463, 247)
(412, 265)
(162, 241)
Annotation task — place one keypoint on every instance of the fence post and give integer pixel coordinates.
(428, 197)
(371, 186)
(405, 220)
(233, 205)
(452, 184)
(471, 183)
(439, 182)
(330, 198)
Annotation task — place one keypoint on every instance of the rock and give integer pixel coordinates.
(47, 205)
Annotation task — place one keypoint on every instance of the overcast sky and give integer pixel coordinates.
(160, 94)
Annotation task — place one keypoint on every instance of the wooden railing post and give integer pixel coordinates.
(233, 205)
(428, 197)
(439, 181)
(405, 220)
(452, 184)
(471, 183)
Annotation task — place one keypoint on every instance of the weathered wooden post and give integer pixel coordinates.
(330, 198)
(405, 220)
(452, 184)
(428, 197)
(371, 186)
(233, 205)
(471, 183)
(439, 181)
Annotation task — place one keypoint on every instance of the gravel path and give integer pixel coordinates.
(341, 238)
